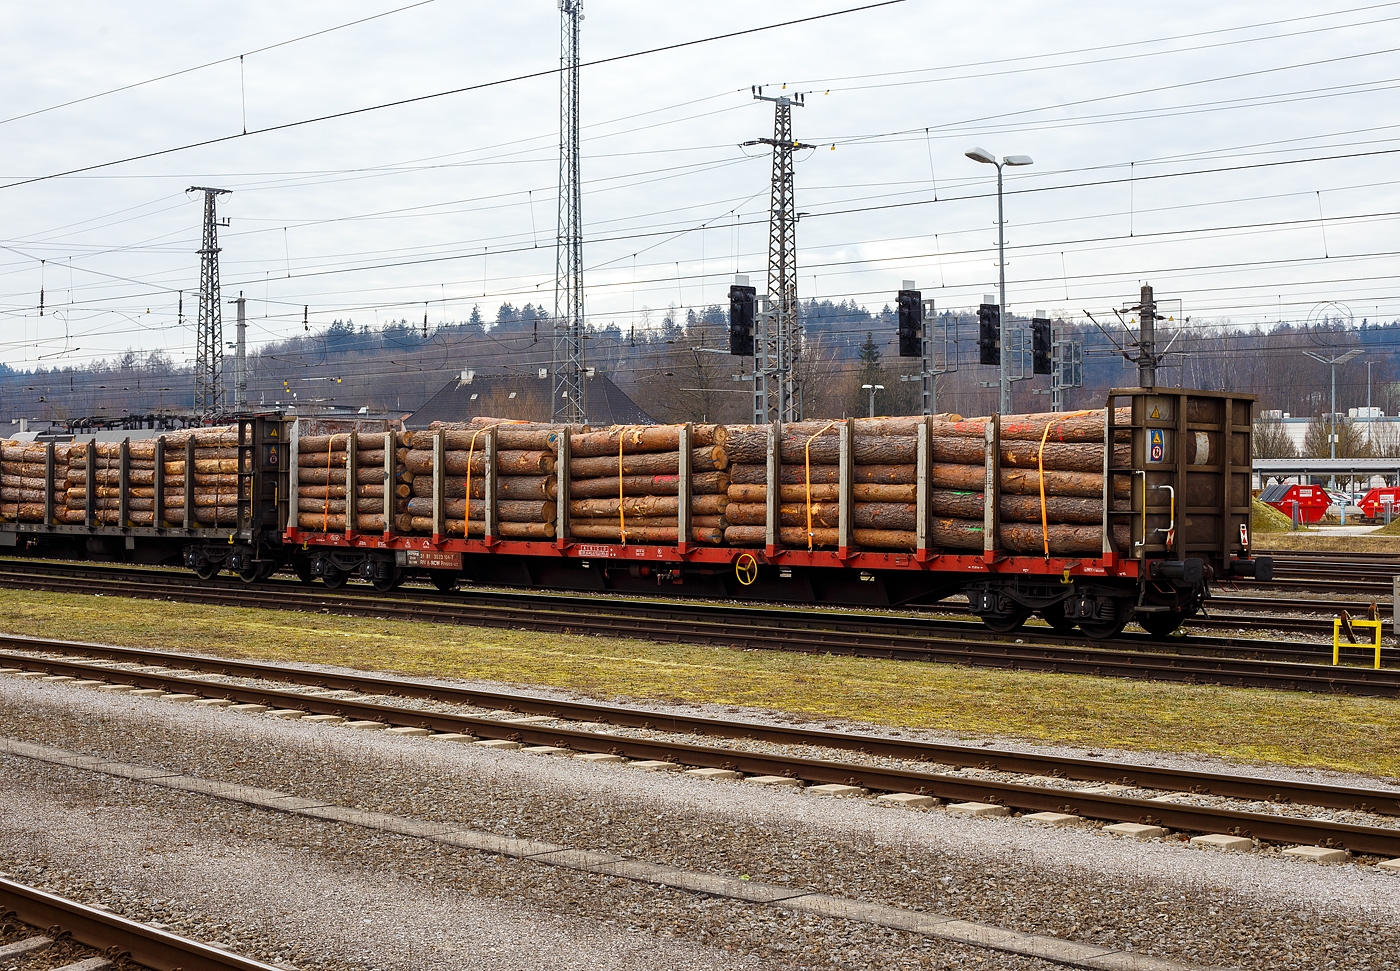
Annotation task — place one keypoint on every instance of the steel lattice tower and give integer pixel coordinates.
(209, 343)
(777, 386)
(569, 402)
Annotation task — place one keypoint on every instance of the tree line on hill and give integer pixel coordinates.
(674, 363)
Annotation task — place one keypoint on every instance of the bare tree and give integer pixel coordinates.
(1351, 443)
(1272, 441)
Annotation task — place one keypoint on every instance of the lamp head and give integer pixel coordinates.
(981, 155)
(1018, 160)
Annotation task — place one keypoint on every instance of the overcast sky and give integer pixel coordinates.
(1238, 156)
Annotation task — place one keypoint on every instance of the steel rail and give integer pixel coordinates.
(636, 601)
(1147, 777)
(117, 936)
(868, 635)
(1018, 796)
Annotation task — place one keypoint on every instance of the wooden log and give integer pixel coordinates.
(114, 477)
(704, 458)
(33, 470)
(477, 527)
(25, 512)
(632, 506)
(508, 462)
(796, 538)
(902, 425)
(527, 436)
(339, 505)
(29, 452)
(508, 436)
(1059, 457)
(483, 421)
(314, 460)
(337, 476)
(333, 523)
(17, 482)
(507, 510)
(864, 515)
(338, 491)
(752, 447)
(826, 475)
(647, 506)
(710, 536)
(1031, 427)
(21, 495)
(650, 522)
(212, 481)
(323, 443)
(507, 487)
(1016, 508)
(860, 492)
(643, 438)
(701, 484)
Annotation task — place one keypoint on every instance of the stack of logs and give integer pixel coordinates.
(884, 487)
(215, 480)
(23, 480)
(626, 480)
(322, 489)
(527, 488)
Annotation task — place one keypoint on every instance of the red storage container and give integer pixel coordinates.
(1311, 501)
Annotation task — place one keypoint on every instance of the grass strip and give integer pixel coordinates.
(1245, 725)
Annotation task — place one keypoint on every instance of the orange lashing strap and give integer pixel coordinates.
(807, 477)
(621, 501)
(326, 512)
(1040, 464)
(467, 508)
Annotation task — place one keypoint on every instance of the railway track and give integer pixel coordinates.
(106, 938)
(903, 765)
(1241, 662)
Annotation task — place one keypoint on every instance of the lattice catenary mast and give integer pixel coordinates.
(777, 386)
(569, 403)
(209, 342)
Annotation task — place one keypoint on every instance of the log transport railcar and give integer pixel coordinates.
(1184, 523)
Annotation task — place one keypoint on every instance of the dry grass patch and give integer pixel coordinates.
(1311, 540)
(1351, 734)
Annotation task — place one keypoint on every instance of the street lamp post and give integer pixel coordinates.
(872, 388)
(1333, 362)
(982, 155)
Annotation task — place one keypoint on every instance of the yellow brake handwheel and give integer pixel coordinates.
(746, 568)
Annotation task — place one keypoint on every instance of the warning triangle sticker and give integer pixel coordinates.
(1156, 415)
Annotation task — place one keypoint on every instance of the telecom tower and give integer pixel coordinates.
(569, 403)
(777, 388)
(209, 344)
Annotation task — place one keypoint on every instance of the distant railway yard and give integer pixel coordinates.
(653, 788)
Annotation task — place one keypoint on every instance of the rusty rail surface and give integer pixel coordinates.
(1019, 796)
(878, 635)
(117, 936)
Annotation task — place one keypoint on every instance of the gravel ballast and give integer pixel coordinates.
(1191, 905)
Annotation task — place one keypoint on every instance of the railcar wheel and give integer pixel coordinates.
(258, 572)
(1160, 624)
(1112, 626)
(1006, 623)
(388, 581)
(444, 580)
(334, 578)
(1054, 615)
(206, 569)
(301, 566)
